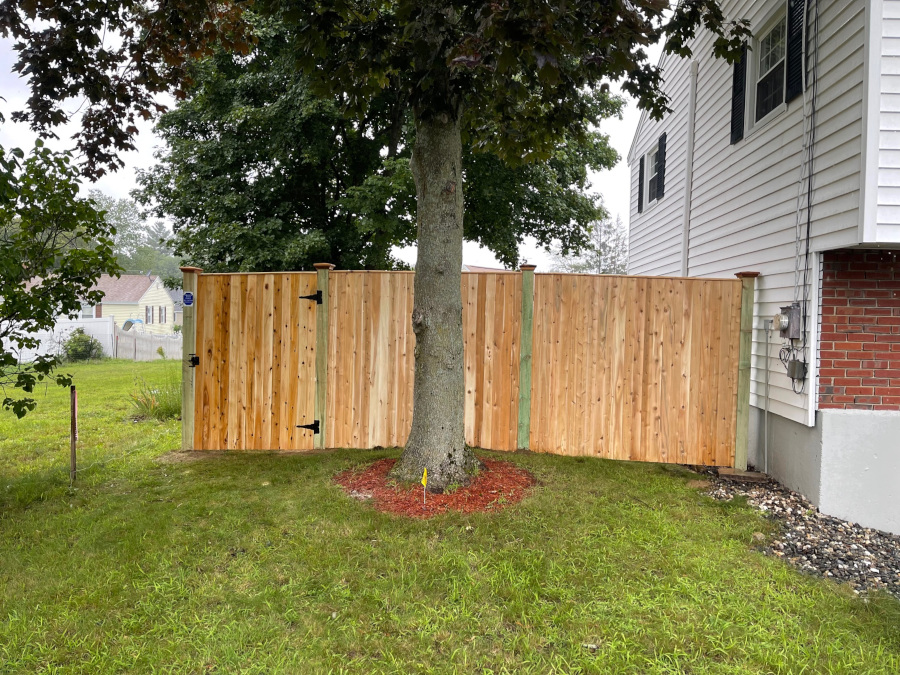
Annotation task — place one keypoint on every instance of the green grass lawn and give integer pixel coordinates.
(259, 564)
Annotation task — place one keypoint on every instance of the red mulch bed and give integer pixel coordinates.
(498, 485)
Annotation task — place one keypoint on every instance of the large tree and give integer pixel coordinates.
(54, 245)
(506, 77)
(258, 173)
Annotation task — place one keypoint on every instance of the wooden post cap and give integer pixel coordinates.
(528, 267)
(191, 270)
(323, 266)
(747, 275)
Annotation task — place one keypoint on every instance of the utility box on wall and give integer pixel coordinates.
(789, 321)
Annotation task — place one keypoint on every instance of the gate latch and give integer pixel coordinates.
(194, 360)
(314, 426)
(317, 296)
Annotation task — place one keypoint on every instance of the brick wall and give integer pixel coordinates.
(859, 343)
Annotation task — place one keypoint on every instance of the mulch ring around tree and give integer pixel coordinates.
(497, 486)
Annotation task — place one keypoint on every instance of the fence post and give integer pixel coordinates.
(73, 434)
(188, 347)
(742, 432)
(322, 270)
(525, 348)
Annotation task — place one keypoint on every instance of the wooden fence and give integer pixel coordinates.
(638, 368)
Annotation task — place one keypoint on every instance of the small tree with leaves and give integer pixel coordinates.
(54, 246)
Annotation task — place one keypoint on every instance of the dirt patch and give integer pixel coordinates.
(497, 486)
(699, 484)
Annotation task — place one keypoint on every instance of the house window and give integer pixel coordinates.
(148, 314)
(162, 314)
(87, 312)
(770, 67)
(651, 175)
(771, 72)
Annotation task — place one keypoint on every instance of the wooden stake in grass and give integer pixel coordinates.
(73, 433)
(424, 484)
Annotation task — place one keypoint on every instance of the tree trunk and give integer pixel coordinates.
(437, 438)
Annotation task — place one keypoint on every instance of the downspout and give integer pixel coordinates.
(689, 173)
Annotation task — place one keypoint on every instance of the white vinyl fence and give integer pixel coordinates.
(145, 346)
(52, 340)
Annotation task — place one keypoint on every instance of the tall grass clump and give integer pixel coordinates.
(157, 400)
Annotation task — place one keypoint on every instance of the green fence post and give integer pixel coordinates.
(188, 347)
(742, 431)
(322, 270)
(525, 348)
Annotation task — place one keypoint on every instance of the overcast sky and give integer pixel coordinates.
(612, 185)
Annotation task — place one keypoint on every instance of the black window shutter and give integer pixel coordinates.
(641, 185)
(661, 167)
(795, 65)
(738, 93)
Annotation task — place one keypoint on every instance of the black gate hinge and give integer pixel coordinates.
(314, 426)
(317, 296)
(194, 360)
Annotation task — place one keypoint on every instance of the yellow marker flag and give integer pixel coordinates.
(425, 477)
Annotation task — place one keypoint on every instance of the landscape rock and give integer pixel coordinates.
(822, 545)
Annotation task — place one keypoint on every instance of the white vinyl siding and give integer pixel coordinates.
(744, 196)
(888, 170)
(655, 247)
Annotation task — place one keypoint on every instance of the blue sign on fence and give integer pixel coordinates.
(188, 299)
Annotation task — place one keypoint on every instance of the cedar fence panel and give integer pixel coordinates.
(371, 347)
(371, 351)
(635, 368)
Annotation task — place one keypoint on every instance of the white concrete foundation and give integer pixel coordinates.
(848, 464)
(861, 467)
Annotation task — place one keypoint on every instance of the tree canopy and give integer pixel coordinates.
(259, 173)
(141, 246)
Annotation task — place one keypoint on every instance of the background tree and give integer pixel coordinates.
(605, 253)
(260, 174)
(503, 77)
(141, 246)
(53, 248)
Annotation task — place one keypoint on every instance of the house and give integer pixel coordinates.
(788, 164)
(135, 296)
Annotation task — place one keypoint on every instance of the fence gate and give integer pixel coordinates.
(255, 381)
(637, 368)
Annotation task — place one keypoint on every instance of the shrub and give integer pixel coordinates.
(159, 401)
(80, 346)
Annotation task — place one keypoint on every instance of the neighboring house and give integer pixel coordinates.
(721, 185)
(135, 296)
(178, 311)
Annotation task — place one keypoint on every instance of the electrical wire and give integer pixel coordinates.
(803, 241)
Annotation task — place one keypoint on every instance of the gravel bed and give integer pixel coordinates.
(818, 544)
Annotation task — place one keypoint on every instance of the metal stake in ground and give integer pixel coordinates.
(73, 433)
